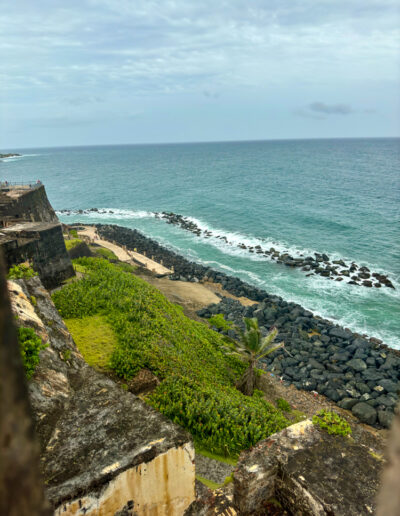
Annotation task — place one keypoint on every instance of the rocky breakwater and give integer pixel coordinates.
(103, 450)
(319, 264)
(357, 373)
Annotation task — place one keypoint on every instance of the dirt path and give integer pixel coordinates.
(123, 254)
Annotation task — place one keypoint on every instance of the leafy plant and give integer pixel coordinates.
(254, 347)
(73, 233)
(331, 422)
(284, 405)
(30, 346)
(21, 271)
(220, 322)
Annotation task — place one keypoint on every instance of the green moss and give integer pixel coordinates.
(94, 338)
(70, 244)
(331, 422)
(198, 388)
(209, 483)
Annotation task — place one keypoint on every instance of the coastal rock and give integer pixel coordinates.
(310, 472)
(357, 364)
(365, 413)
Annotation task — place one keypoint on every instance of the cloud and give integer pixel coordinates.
(330, 109)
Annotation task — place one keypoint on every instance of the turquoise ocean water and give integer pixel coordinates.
(340, 197)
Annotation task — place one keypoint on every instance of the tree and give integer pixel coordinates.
(253, 347)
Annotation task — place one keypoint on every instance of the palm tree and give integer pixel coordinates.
(254, 347)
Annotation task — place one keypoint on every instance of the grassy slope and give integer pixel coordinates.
(198, 374)
(94, 338)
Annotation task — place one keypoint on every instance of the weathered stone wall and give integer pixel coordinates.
(21, 487)
(103, 450)
(28, 204)
(37, 237)
(159, 487)
(310, 472)
(43, 245)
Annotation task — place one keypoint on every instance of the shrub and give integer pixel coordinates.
(220, 322)
(284, 405)
(74, 233)
(23, 270)
(198, 391)
(331, 422)
(30, 346)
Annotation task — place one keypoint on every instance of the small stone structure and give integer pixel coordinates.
(310, 472)
(103, 450)
(30, 231)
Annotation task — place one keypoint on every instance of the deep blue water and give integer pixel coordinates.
(341, 197)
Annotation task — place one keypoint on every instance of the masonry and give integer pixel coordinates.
(30, 231)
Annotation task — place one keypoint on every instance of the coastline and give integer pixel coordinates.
(357, 372)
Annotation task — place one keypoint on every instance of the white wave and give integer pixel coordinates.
(110, 213)
(233, 239)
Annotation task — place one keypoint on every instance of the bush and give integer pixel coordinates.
(284, 405)
(331, 422)
(220, 322)
(73, 233)
(21, 271)
(198, 390)
(30, 346)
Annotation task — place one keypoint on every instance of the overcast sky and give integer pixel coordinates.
(82, 72)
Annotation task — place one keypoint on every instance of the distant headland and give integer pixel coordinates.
(9, 155)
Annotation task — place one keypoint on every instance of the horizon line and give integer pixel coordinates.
(208, 142)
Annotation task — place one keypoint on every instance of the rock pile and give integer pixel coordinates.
(358, 374)
(319, 264)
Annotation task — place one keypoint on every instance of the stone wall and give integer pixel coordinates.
(103, 450)
(32, 232)
(43, 245)
(29, 204)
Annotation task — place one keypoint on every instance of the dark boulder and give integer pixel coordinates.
(365, 413)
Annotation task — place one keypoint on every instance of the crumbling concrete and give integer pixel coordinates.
(103, 449)
(310, 472)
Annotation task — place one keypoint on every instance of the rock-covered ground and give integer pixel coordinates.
(357, 373)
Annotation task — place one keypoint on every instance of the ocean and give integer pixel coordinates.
(340, 197)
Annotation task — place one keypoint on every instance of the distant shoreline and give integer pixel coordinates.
(10, 155)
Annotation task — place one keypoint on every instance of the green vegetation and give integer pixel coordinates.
(70, 244)
(30, 346)
(209, 483)
(331, 422)
(284, 405)
(220, 322)
(254, 347)
(103, 252)
(23, 270)
(221, 458)
(198, 388)
(73, 233)
(94, 339)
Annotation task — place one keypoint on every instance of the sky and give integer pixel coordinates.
(94, 72)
